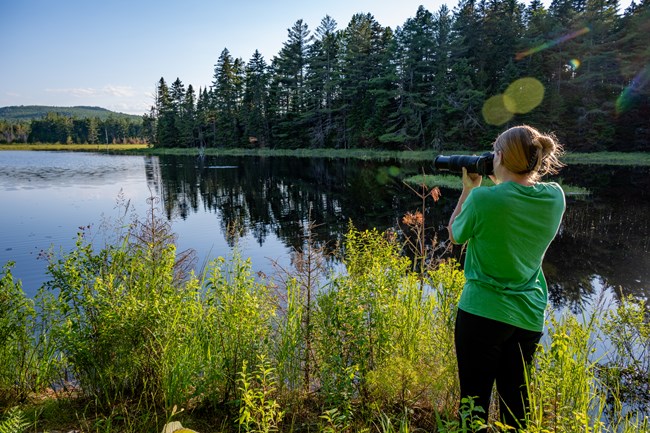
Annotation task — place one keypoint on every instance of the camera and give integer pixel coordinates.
(474, 164)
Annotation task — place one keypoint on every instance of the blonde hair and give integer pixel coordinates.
(525, 150)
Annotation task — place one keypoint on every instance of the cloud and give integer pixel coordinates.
(121, 91)
(128, 108)
(78, 92)
(87, 92)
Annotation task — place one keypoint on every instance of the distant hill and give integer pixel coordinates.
(29, 112)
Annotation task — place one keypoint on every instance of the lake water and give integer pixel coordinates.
(46, 197)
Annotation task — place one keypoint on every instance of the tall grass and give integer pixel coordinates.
(136, 342)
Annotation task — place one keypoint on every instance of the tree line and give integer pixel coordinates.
(425, 84)
(54, 127)
(428, 84)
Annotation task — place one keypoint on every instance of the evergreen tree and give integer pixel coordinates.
(323, 80)
(364, 43)
(289, 91)
(632, 103)
(227, 89)
(166, 133)
(254, 110)
(437, 124)
(423, 86)
(93, 130)
(187, 125)
(502, 24)
(416, 60)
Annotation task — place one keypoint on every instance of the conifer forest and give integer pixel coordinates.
(449, 79)
(441, 80)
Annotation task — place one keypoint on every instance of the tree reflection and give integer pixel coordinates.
(604, 235)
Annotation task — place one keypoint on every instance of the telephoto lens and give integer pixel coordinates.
(474, 164)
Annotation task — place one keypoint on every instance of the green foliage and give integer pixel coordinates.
(626, 367)
(566, 395)
(115, 308)
(59, 128)
(259, 411)
(13, 422)
(355, 315)
(31, 112)
(424, 84)
(234, 327)
(472, 418)
(17, 312)
(138, 337)
(116, 314)
(26, 358)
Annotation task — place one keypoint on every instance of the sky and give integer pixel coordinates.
(111, 53)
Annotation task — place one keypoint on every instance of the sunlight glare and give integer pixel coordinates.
(552, 43)
(495, 112)
(523, 95)
(629, 96)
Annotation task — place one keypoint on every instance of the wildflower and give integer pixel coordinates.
(413, 219)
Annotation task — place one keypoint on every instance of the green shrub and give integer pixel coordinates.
(234, 328)
(27, 363)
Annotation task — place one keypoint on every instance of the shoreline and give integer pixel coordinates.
(601, 158)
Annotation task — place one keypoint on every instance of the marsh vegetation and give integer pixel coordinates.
(126, 338)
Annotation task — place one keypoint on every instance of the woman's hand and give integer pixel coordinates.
(471, 180)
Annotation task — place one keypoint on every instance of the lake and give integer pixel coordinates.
(47, 197)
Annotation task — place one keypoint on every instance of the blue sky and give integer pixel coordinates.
(111, 53)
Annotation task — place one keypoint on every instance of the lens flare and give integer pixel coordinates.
(523, 95)
(552, 43)
(495, 112)
(574, 63)
(630, 95)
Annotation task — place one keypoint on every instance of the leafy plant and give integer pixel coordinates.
(259, 411)
(469, 420)
(27, 362)
(234, 327)
(13, 422)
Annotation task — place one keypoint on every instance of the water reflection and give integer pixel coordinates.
(603, 236)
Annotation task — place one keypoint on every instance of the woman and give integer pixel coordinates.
(508, 228)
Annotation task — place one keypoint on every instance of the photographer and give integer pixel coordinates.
(508, 228)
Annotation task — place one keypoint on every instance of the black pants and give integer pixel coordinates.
(489, 350)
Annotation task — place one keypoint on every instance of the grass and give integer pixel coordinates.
(605, 158)
(72, 147)
(608, 158)
(454, 182)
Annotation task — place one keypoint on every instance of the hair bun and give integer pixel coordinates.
(547, 144)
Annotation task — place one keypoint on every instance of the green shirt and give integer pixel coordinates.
(508, 228)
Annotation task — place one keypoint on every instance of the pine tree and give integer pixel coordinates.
(289, 91)
(254, 108)
(188, 125)
(364, 45)
(416, 60)
(437, 124)
(166, 134)
(322, 80)
(227, 89)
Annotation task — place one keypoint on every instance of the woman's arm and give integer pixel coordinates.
(470, 181)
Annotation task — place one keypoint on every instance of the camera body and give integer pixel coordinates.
(482, 164)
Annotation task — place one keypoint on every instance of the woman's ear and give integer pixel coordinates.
(497, 156)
